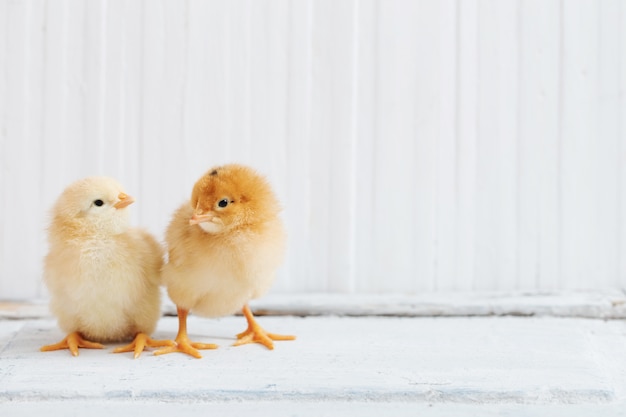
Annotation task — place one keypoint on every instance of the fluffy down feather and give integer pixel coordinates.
(225, 245)
(103, 276)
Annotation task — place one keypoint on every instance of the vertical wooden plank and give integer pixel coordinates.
(175, 105)
(339, 115)
(206, 111)
(31, 179)
(259, 77)
(112, 140)
(275, 158)
(60, 148)
(425, 121)
(331, 142)
(446, 274)
(56, 166)
(268, 46)
(24, 115)
(165, 166)
(130, 117)
(120, 34)
(93, 71)
(466, 125)
(15, 27)
(319, 152)
(496, 158)
(581, 246)
(434, 155)
(4, 139)
(539, 147)
(300, 262)
(622, 161)
(240, 78)
(278, 36)
(351, 281)
(395, 147)
(153, 87)
(15, 132)
(75, 111)
(608, 141)
(365, 131)
(270, 148)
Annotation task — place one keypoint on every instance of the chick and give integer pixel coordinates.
(224, 248)
(103, 276)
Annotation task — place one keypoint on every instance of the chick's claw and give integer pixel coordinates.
(183, 345)
(73, 341)
(260, 336)
(139, 344)
(255, 333)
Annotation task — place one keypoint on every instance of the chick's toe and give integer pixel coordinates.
(139, 344)
(182, 343)
(255, 333)
(72, 341)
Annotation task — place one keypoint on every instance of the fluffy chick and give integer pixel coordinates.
(103, 276)
(225, 246)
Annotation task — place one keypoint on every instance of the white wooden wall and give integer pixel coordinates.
(417, 145)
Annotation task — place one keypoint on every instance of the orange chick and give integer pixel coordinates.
(103, 276)
(225, 246)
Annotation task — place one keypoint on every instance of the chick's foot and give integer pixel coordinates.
(72, 341)
(182, 343)
(139, 344)
(255, 333)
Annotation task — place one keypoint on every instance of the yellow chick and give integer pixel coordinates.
(103, 276)
(225, 246)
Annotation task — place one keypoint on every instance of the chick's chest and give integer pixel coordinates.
(104, 260)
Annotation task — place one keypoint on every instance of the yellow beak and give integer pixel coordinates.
(125, 201)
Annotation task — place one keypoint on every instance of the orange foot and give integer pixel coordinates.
(139, 344)
(182, 343)
(255, 333)
(72, 342)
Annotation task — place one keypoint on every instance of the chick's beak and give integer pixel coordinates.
(200, 218)
(125, 201)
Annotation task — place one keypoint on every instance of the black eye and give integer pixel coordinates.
(223, 203)
(98, 203)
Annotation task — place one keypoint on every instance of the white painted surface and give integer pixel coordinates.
(417, 146)
(456, 364)
(592, 305)
(306, 409)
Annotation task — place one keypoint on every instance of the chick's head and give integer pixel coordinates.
(93, 205)
(230, 197)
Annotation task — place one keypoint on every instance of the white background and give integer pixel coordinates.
(416, 145)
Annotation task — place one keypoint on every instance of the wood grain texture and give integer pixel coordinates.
(417, 146)
(466, 362)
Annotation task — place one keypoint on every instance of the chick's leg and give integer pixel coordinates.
(72, 341)
(255, 333)
(139, 344)
(183, 344)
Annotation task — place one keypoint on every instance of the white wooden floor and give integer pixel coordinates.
(339, 366)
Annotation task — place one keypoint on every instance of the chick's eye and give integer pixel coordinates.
(223, 203)
(98, 203)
